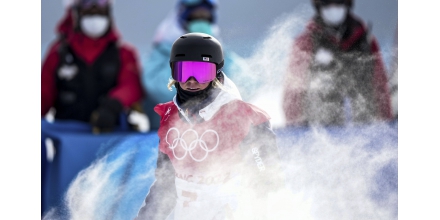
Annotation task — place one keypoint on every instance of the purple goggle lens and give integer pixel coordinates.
(203, 72)
(90, 3)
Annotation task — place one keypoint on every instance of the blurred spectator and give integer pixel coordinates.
(393, 83)
(187, 16)
(336, 73)
(88, 74)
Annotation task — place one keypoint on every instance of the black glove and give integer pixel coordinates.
(106, 116)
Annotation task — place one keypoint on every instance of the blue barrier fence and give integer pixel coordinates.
(113, 172)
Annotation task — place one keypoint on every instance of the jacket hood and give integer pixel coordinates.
(65, 25)
(87, 48)
(169, 29)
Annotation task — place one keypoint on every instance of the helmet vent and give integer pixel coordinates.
(182, 36)
(206, 38)
(180, 55)
(206, 55)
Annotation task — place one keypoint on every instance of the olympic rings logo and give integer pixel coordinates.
(179, 141)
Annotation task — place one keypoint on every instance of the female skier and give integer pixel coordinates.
(215, 151)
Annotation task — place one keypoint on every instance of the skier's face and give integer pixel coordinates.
(192, 85)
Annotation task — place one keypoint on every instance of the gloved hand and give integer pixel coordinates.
(106, 116)
(323, 56)
(139, 121)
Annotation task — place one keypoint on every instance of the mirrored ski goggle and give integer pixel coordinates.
(203, 72)
(91, 3)
(327, 2)
(196, 2)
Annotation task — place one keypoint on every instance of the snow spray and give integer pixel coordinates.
(114, 186)
(343, 174)
(268, 64)
(346, 173)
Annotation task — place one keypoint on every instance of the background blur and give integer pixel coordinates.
(243, 23)
(416, 137)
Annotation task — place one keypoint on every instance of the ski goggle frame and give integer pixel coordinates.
(91, 3)
(196, 2)
(203, 72)
(327, 2)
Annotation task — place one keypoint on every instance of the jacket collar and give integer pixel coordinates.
(228, 93)
(354, 26)
(89, 49)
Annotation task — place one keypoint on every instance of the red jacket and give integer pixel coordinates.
(128, 89)
(301, 61)
(215, 133)
(204, 158)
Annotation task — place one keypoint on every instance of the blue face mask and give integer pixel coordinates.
(201, 26)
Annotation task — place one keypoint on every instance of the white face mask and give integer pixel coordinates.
(334, 15)
(94, 26)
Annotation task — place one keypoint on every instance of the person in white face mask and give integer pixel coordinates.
(89, 75)
(93, 17)
(337, 75)
(94, 26)
(334, 14)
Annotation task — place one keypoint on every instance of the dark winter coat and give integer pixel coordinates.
(78, 72)
(355, 79)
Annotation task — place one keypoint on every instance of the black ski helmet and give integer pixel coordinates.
(318, 3)
(197, 47)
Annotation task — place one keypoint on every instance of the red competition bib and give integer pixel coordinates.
(206, 152)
